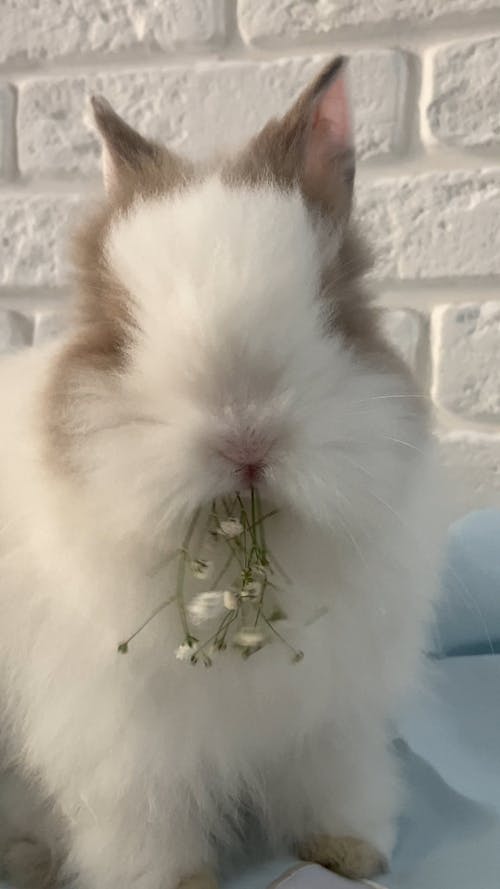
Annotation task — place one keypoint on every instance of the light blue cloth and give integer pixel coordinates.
(450, 832)
(469, 617)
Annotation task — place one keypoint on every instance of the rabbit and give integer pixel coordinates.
(223, 340)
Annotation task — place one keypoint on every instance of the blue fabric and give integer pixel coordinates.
(450, 832)
(449, 835)
(469, 616)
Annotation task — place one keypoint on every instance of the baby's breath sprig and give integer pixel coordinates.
(237, 611)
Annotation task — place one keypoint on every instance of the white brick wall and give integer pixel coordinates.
(426, 87)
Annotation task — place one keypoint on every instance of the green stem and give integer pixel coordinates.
(223, 626)
(124, 645)
(267, 515)
(229, 544)
(244, 522)
(181, 573)
(253, 508)
(260, 522)
(226, 628)
(295, 651)
(261, 602)
(229, 509)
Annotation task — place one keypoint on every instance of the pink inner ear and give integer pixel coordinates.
(332, 113)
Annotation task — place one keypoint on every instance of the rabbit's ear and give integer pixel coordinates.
(310, 146)
(329, 130)
(130, 162)
(124, 151)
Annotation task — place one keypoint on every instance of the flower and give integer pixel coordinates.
(184, 652)
(230, 600)
(246, 563)
(249, 637)
(230, 528)
(206, 606)
(201, 568)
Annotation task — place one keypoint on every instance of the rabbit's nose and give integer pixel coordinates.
(250, 473)
(249, 456)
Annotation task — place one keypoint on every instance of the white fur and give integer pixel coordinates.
(147, 758)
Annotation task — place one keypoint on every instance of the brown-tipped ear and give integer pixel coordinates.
(329, 145)
(310, 146)
(124, 151)
(322, 148)
(131, 163)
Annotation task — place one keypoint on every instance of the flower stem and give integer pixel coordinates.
(123, 646)
(181, 573)
(223, 627)
(298, 655)
(261, 602)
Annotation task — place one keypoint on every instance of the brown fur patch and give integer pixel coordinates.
(276, 155)
(349, 308)
(348, 856)
(104, 317)
(103, 301)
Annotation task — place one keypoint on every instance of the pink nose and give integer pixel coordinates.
(248, 459)
(250, 473)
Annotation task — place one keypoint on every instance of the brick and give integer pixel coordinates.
(195, 109)
(404, 329)
(176, 23)
(34, 239)
(472, 463)
(466, 94)
(291, 20)
(6, 127)
(48, 325)
(467, 365)
(105, 26)
(15, 331)
(435, 225)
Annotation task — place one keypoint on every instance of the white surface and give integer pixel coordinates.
(468, 366)
(281, 19)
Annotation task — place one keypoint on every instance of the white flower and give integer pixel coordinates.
(249, 637)
(252, 590)
(230, 528)
(184, 652)
(230, 600)
(201, 568)
(206, 606)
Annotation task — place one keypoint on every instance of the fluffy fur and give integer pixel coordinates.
(219, 310)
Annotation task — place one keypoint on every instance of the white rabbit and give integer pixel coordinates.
(223, 338)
